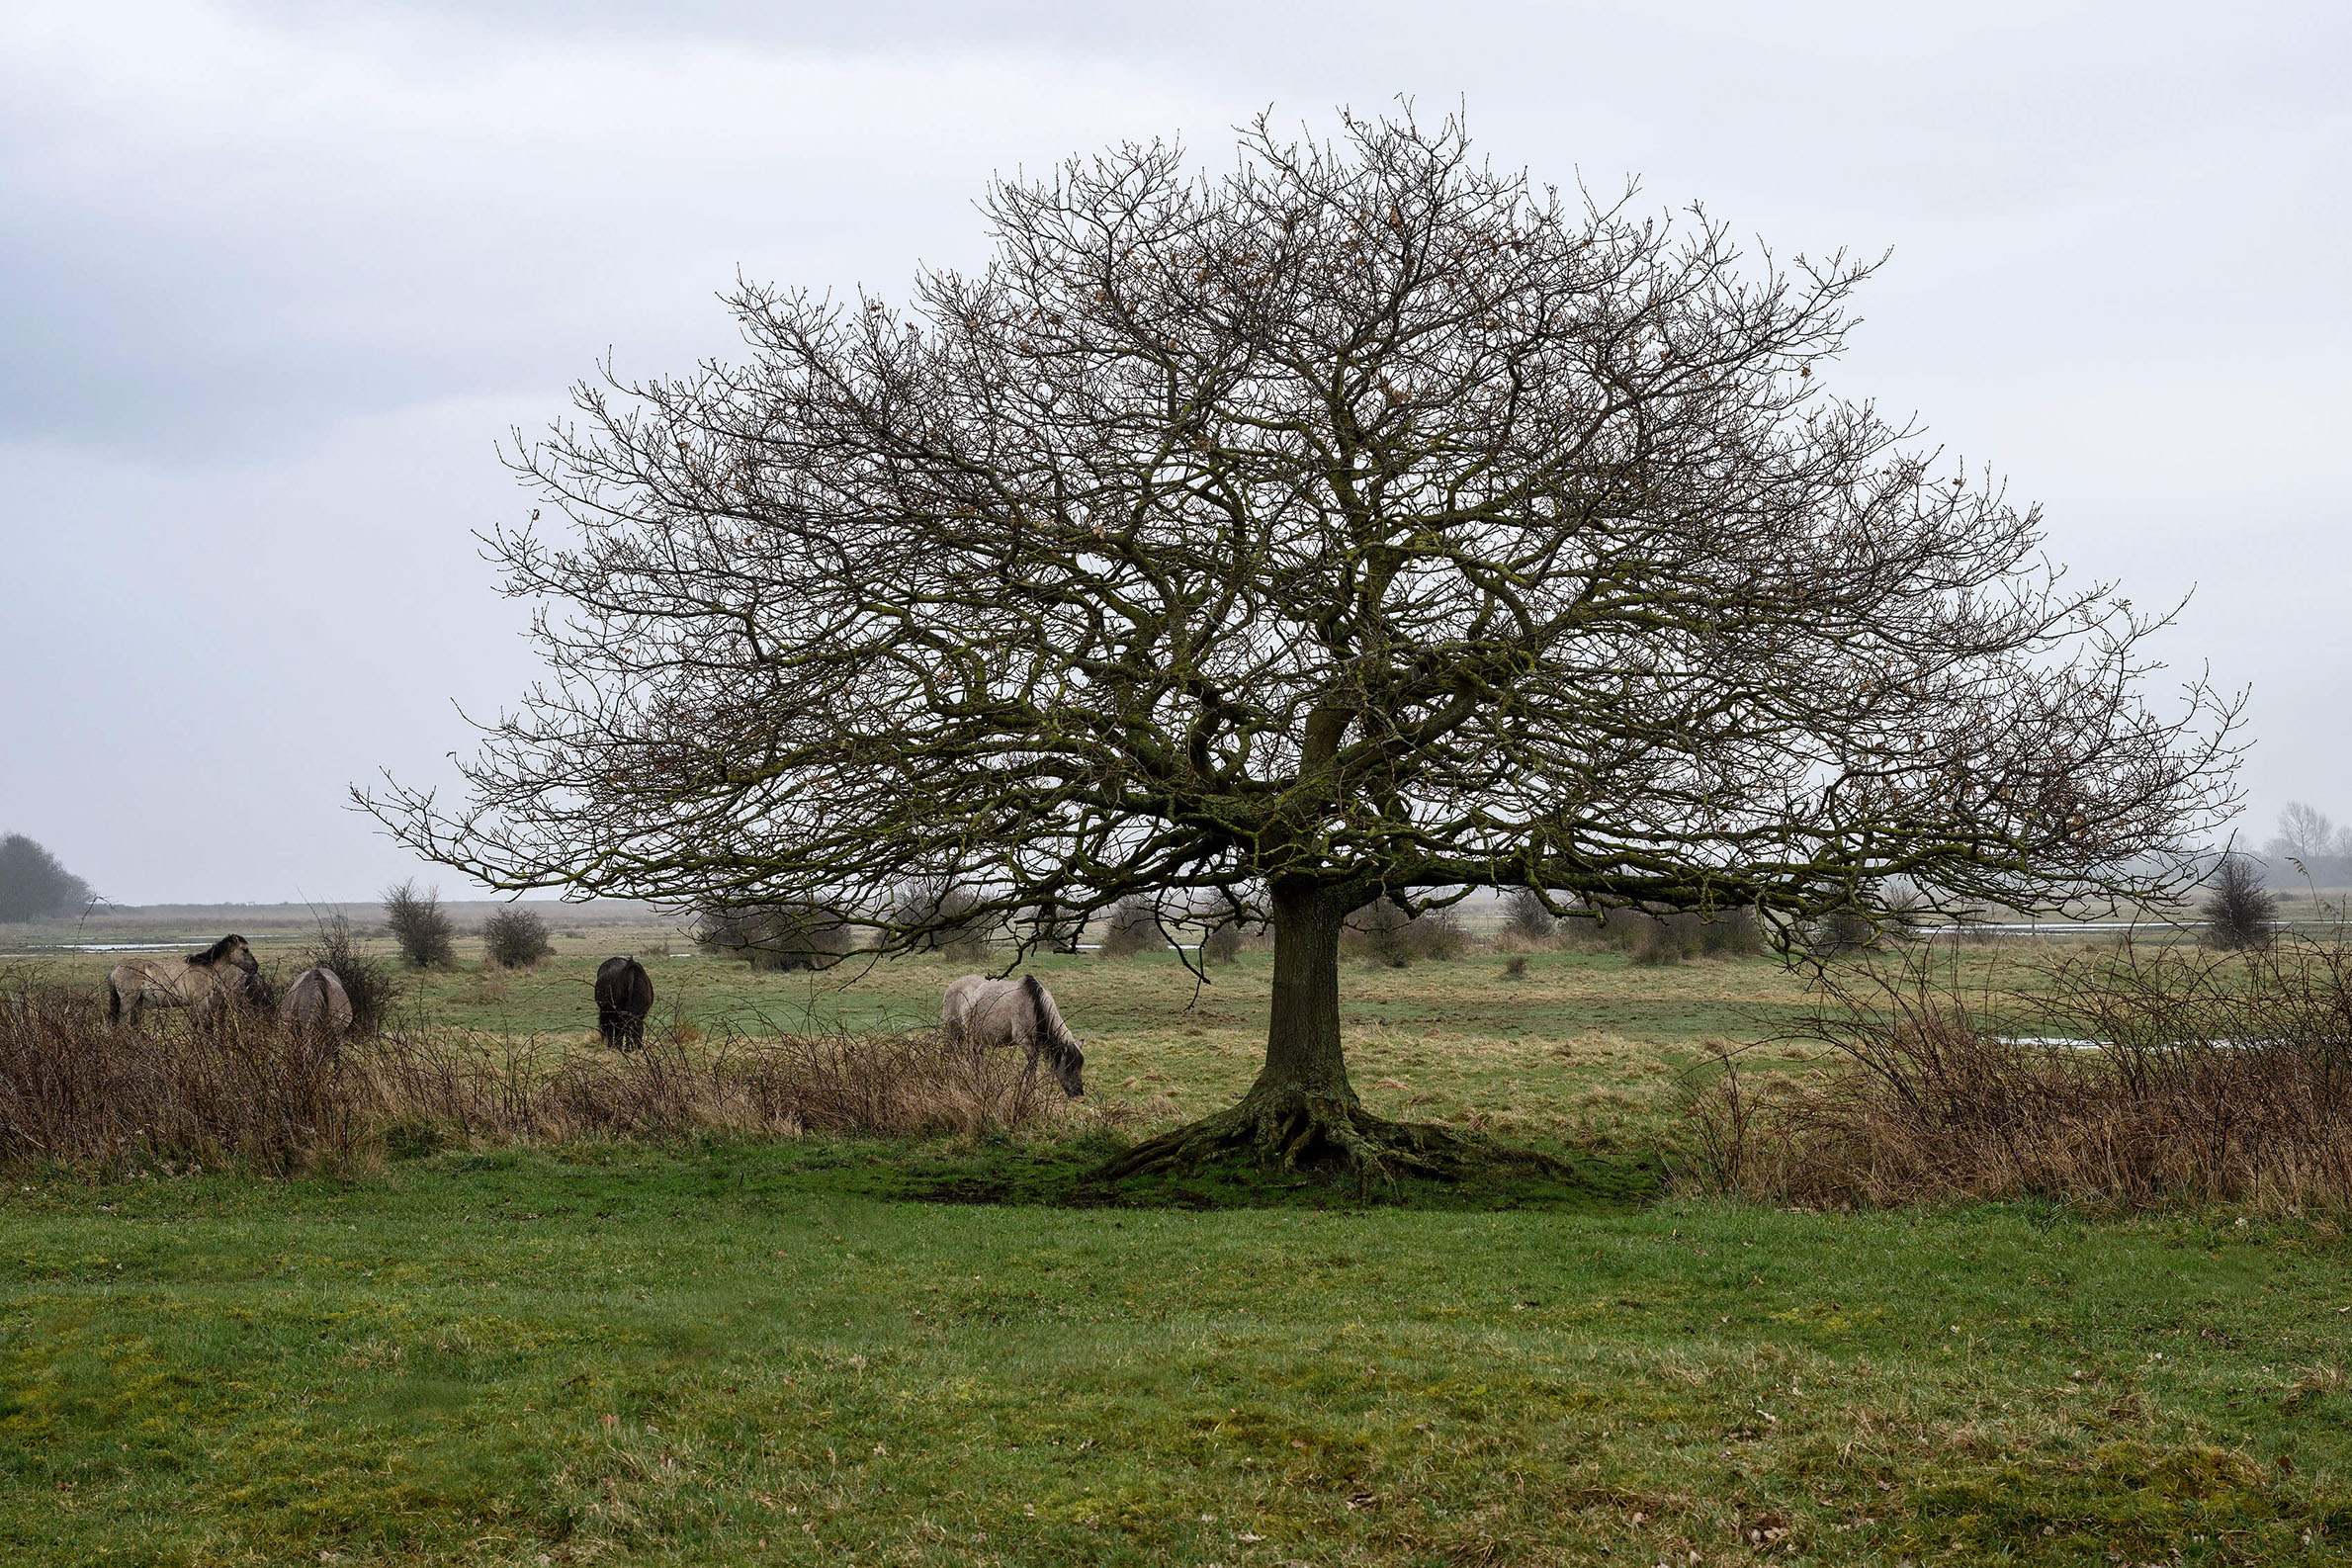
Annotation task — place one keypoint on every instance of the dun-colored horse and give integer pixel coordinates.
(207, 983)
(1018, 1014)
(316, 1007)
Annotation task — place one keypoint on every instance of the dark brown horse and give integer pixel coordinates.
(624, 996)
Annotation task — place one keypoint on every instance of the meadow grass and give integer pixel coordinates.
(826, 1350)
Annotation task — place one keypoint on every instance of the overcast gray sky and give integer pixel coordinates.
(276, 278)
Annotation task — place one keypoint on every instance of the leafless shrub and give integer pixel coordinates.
(1516, 967)
(1132, 931)
(1384, 935)
(1525, 919)
(2239, 912)
(1843, 932)
(244, 1091)
(2130, 1077)
(367, 984)
(1221, 944)
(1677, 936)
(1053, 926)
(948, 916)
(513, 938)
(778, 935)
(420, 926)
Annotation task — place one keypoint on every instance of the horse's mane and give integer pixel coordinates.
(218, 951)
(1053, 1036)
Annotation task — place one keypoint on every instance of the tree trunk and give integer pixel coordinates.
(1303, 1055)
(1302, 1112)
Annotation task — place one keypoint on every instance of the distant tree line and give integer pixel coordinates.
(2308, 838)
(34, 886)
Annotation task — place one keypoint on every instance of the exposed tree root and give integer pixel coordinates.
(1303, 1131)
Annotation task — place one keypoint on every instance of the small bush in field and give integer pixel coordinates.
(1384, 935)
(1222, 945)
(2239, 912)
(956, 928)
(420, 926)
(778, 935)
(513, 938)
(1652, 939)
(1133, 929)
(1516, 967)
(1525, 917)
(366, 981)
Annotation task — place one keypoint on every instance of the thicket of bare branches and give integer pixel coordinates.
(1525, 920)
(1132, 930)
(1386, 934)
(250, 1093)
(1361, 521)
(35, 884)
(2126, 1079)
(1678, 937)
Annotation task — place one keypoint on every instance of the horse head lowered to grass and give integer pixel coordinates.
(208, 984)
(1018, 1014)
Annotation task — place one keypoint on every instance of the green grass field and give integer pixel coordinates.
(807, 1351)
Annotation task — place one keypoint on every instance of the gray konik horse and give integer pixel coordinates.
(207, 983)
(316, 1007)
(1018, 1014)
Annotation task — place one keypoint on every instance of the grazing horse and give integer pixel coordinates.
(624, 996)
(316, 1007)
(1016, 1013)
(207, 983)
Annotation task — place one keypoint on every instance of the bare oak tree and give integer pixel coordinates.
(1359, 522)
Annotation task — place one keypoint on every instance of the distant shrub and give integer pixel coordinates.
(948, 917)
(777, 937)
(1132, 930)
(1525, 919)
(1384, 935)
(1842, 932)
(366, 981)
(1223, 944)
(1056, 927)
(1516, 967)
(421, 928)
(1671, 937)
(513, 938)
(2239, 912)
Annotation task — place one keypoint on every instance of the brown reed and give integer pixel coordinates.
(2132, 1078)
(250, 1094)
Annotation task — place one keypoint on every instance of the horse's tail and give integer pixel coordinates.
(114, 1001)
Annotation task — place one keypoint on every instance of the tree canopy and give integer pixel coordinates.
(1359, 521)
